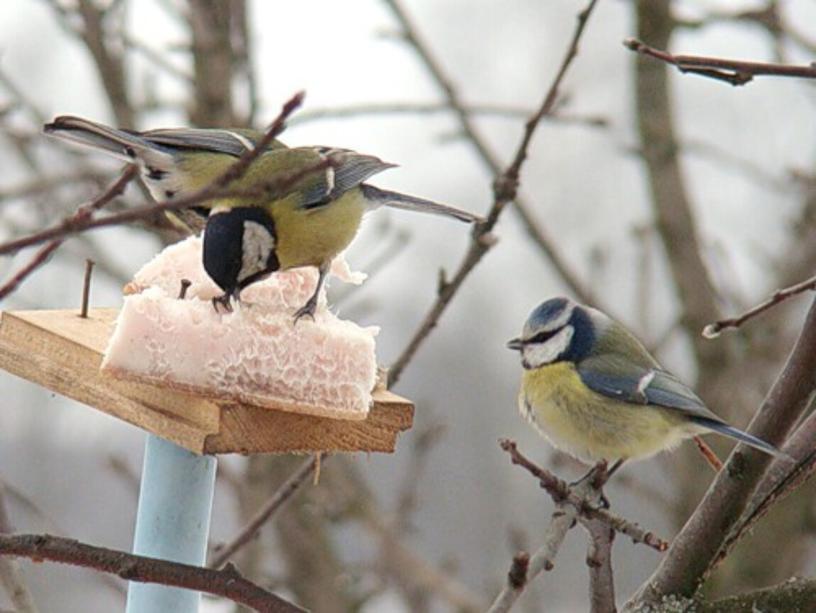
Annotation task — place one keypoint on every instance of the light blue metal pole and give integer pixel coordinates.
(173, 521)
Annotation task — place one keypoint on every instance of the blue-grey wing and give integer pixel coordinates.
(615, 377)
(348, 170)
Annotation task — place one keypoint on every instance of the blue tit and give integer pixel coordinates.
(249, 237)
(594, 391)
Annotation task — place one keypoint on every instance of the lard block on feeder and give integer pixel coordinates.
(254, 354)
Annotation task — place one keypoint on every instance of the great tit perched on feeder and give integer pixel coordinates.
(594, 391)
(249, 237)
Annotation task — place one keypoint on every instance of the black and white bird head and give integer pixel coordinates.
(558, 330)
(239, 247)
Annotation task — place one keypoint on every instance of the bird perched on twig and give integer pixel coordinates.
(593, 390)
(268, 228)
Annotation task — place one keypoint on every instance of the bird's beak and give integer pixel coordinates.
(515, 344)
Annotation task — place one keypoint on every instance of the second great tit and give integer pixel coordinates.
(249, 237)
(593, 390)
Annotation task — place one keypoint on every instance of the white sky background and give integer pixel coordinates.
(588, 193)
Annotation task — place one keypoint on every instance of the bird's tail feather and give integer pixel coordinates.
(119, 143)
(402, 201)
(743, 437)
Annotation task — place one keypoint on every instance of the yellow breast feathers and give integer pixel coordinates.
(589, 425)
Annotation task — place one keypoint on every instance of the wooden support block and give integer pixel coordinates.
(62, 352)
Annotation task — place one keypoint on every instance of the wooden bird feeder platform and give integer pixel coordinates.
(62, 351)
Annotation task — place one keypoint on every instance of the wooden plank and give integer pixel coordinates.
(62, 352)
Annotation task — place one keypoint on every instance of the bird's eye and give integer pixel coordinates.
(543, 337)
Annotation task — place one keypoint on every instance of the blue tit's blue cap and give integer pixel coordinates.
(549, 315)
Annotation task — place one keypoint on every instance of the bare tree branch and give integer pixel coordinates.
(212, 63)
(562, 493)
(445, 83)
(579, 503)
(713, 330)
(505, 188)
(694, 551)
(793, 595)
(782, 478)
(543, 559)
(735, 72)
(83, 212)
(431, 108)
(11, 577)
(110, 62)
(228, 583)
(39, 258)
(222, 554)
(599, 561)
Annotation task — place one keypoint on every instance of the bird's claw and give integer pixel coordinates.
(307, 309)
(225, 301)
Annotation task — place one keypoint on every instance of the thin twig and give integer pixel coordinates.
(542, 560)
(228, 583)
(491, 160)
(430, 108)
(505, 188)
(735, 72)
(276, 501)
(708, 453)
(40, 258)
(780, 295)
(562, 492)
(516, 582)
(237, 170)
(156, 58)
(572, 504)
(84, 212)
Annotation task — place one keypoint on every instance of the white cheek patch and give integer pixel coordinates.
(539, 354)
(257, 245)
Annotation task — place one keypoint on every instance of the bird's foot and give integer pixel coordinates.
(307, 310)
(224, 301)
(595, 478)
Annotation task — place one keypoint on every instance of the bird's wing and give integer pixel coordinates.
(232, 142)
(347, 170)
(615, 376)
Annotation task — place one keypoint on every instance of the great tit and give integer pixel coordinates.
(593, 390)
(249, 237)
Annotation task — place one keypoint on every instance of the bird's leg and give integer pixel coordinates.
(613, 469)
(597, 476)
(311, 303)
(592, 474)
(224, 300)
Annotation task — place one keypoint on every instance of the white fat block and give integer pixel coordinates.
(256, 354)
